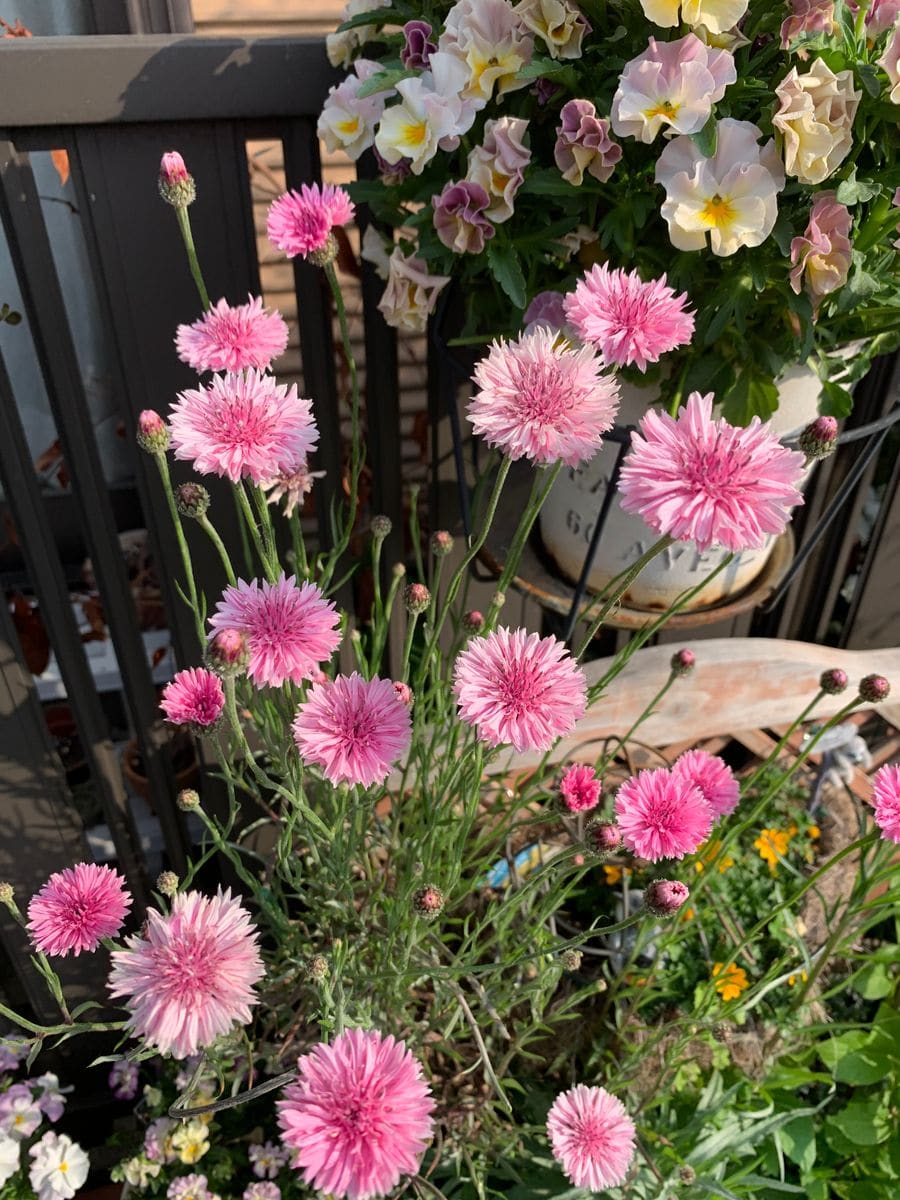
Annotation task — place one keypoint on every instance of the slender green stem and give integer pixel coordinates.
(357, 455)
(255, 532)
(163, 467)
(543, 482)
(213, 535)
(407, 643)
(621, 742)
(43, 1031)
(626, 580)
(184, 224)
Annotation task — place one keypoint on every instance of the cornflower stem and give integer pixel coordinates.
(251, 522)
(213, 535)
(407, 643)
(54, 986)
(266, 527)
(163, 467)
(43, 1031)
(622, 742)
(626, 579)
(187, 236)
(783, 740)
(414, 531)
(356, 454)
(381, 629)
(543, 481)
(377, 600)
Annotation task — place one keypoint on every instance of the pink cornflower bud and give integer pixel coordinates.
(152, 432)
(404, 693)
(441, 543)
(683, 662)
(687, 1175)
(381, 526)
(874, 688)
(833, 681)
(188, 800)
(602, 837)
(192, 500)
(176, 184)
(428, 901)
(398, 570)
(819, 438)
(228, 652)
(473, 621)
(416, 597)
(7, 894)
(167, 883)
(664, 897)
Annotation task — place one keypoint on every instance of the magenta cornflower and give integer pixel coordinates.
(662, 816)
(580, 788)
(358, 1118)
(355, 729)
(189, 977)
(713, 777)
(592, 1137)
(629, 321)
(77, 908)
(703, 479)
(542, 400)
(194, 697)
(886, 795)
(243, 425)
(301, 222)
(230, 339)
(520, 688)
(289, 629)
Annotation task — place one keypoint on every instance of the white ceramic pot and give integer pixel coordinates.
(567, 518)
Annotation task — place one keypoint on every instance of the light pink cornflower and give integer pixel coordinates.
(123, 1079)
(358, 1117)
(194, 697)
(520, 688)
(355, 729)
(76, 908)
(301, 222)
(580, 788)
(713, 777)
(703, 479)
(292, 487)
(542, 400)
(230, 339)
(661, 815)
(290, 629)
(592, 1137)
(886, 794)
(243, 425)
(267, 1159)
(190, 976)
(264, 1190)
(629, 321)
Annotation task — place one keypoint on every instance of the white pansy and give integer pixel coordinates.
(59, 1169)
(347, 121)
(9, 1157)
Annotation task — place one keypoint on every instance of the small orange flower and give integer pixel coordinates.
(707, 853)
(687, 914)
(814, 832)
(802, 976)
(613, 874)
(730, 979)
(772, 845)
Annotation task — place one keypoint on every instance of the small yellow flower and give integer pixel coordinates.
(772, 844)
(801, 976)
(687, 914)
(730, 980)
(613, 874)
(814, 832)
(708, 852)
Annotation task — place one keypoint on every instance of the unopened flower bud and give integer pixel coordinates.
(167, 883)
(416, 597)
(176, 184)
(381, 526)
(874, 688)
(571, 959)
(188, 800)
(324, 254)
(602, 837)
(819, 438)
(317, 968)
(152, 432)
(393, 174)
(441, 543)
(398, 570)
(403, 692)
(473, 621)
(833, 681)
(683, 661)
(687, 1175)
(498, 599)
(228, 652)
(428, 901)
(664, 897)
(7, 894)
(192, 500)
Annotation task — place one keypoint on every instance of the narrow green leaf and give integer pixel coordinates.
(506, 269)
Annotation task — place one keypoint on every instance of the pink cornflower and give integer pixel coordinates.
(355, 729)
(886, 788)
(289, 629)
(230, 339)
(359, 1115)
(662, 816)
(76, 908)
(629, 321)
(194, 697)
(301, 222)
(542, 400)
(243, 425)
(592, 1137)
(580, 788)
(713, 777)
(520, 688)
(696, 478)
(291, 486)
(190, 976)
